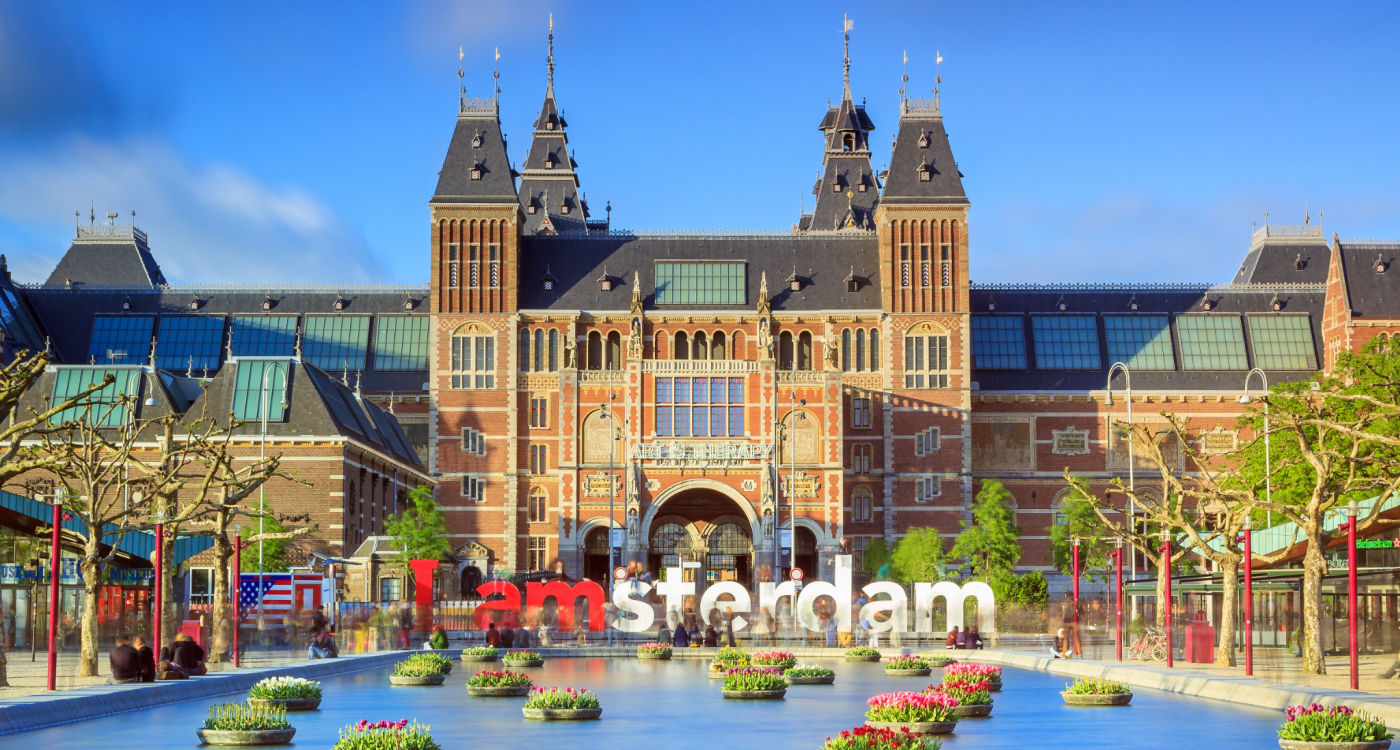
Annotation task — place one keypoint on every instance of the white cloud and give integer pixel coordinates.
(206, 222)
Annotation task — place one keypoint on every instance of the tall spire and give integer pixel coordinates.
(550, 91)
(496, 74)
(461, 83)
(846, 24)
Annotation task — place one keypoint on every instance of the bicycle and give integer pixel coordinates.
(1152, 644)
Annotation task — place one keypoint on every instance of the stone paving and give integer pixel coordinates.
(29, 677)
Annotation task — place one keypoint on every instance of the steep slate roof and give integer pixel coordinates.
(840, 200)
(921, 123)
(476, 118)
(108, 255)
(1372, 294)
(822, 260)
(1276, 252)
(1116, 299)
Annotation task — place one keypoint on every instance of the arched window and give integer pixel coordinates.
(804, 351)
(785, 350)
(701, 350)
(524, 349)
(682, 345)
(874, 350)
(736, 346)
(668, 542)
(848, 142)
(614, 351)
(539, 505)
(660, 347)
(717, 346)
(861, 504)
(473, 357)
(595, 350)
(553, 351)
(860, 350)
(846, 350)
(539, 350)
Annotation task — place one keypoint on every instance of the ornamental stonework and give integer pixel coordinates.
(1069, 442)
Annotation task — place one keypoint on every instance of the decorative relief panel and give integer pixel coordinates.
(803, 485)
(1069, 442)
(1219, 440)
(1118, 451)
(1003, 446)
(749, 485)
(597, 485)
(597, 428)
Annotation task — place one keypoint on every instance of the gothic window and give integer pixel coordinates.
(874, 349)
(682, 345)
(700, 347)
(926, 357)
(539, 412)
(861, 502)
(454, 263)
(926, 441)
(926, 488)
(539, 505)
(524, 349)
(717, 346)
(860, 350)
(553, 351)
(595, 350)
(785, 350)
(804, 351)
(846, 350)
(538, 362)
(538, 553)
(736, 345)
(614, 351)
(473, 359)
(539, 459)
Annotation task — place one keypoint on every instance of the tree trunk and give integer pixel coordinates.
(92, 583)
(169, 622)
(1225, 638)
(1162, 573)
(4, 672)
(1314, 567)
(222, 611)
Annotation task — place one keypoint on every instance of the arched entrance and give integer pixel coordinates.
(703, 521)
(804, 553)
(595, 556)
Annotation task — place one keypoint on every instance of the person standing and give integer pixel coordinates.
(148, 659)
(405, 624)
(493, 636)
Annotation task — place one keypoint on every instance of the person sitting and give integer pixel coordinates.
(322, 646)
(663, 634)
(507, 637)
(681, 639)
(1063, 648)
(952, 640)
(438, 640)
(187, 656)
(974, 641)
(961, 641)
(125, 662)
(696, 638)
(148, 659)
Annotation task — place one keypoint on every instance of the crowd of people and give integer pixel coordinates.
(132, 660)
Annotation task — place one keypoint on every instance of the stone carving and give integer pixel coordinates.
(1069, 442)
(568, 349)
(830, 355)
(1002, 445)
(749, 485)
(653, 485)
(765, 338)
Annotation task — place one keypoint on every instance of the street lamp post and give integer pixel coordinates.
(158, 584)
(264, 406)
(1074, 544)
(52, 682)
(1167, 605)
(786, 436)
(612, 495)
(34, 562)
(1248, 597)
(1118, 607)
(1351, 589)
(1132, 460)
(1268, 454)
(237, 585)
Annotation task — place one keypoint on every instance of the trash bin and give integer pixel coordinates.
(191, 629)
(1200, 640)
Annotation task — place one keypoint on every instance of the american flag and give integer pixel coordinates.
(270, 593)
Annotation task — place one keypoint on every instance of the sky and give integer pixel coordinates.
(300, 142)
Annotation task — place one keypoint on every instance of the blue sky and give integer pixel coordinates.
(299, 142)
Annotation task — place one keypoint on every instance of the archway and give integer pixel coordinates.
(804, 553)
(706, 522)
(595, 555)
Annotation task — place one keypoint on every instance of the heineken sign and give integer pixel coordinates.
(1378, 543)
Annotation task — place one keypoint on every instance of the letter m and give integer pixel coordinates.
(565, 597)
(953, 598)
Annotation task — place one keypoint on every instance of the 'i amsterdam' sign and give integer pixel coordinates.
(638, 615)
(70, 573)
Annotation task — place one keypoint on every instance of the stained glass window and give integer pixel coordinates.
(1211, 342)
(700, 407)
(121, 339)
(1066, 342)
(260, 381)
(264, 335)
(401, 342)
(190, 342)
(699, 283)
(1283, 342)
(1142, 342)
(998, 342)
(336, 342)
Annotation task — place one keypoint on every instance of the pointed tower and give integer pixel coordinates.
(846, 191)
(549, 193)
(475, 214)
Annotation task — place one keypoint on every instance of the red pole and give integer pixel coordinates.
(1118, 610)
(159, 588)
(1351, 592)
(1248, 601)
(1167, 570)
(53, 594)
(237, 570)
(1076, 597)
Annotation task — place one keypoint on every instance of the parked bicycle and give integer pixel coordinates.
(1152, 644)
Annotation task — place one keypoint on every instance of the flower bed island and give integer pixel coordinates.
(443, 664)
(1317, 727)
(754, 684)
(966, 671)
(974, 698)
(562, 704)
(241, 724)
(780, 660)
(809, 674)
(920, 713)
(386, 735)
(654, 651)
(523, 659)
(726, 659)
(290, 693)
(416, 673)
(862, 653)
(492, 684)
(481, 653)
(908, 665)
(1097, 691)
(870, 738)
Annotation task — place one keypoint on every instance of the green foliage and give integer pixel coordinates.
(988, 545)
(1097, 686)
(481, 651)
(417, 668)
(1315, 723)
(876, 556)
(420, 531)
(440, 662)
(274, 551)
(241, 717)
(1076, 519)
(754, 678)
(908, 661)
(562, 698)
(810, 670)
(918, 556)
(861, 651)
(1029, 589)
(386, 735)
(493, 678)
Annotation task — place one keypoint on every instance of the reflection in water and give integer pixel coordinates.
(677, 707)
